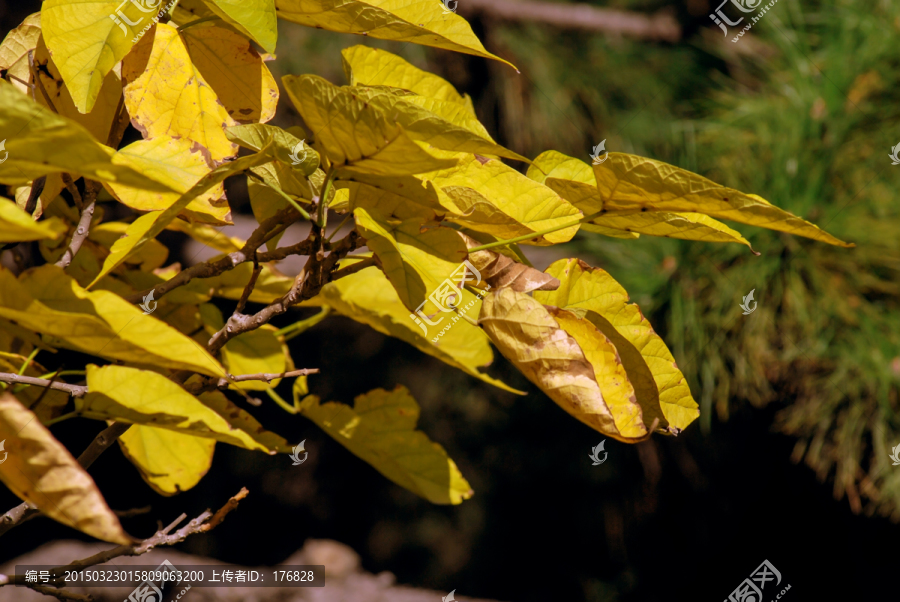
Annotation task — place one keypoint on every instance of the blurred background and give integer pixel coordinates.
(799, 400)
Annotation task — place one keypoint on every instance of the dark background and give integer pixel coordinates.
(684, 518)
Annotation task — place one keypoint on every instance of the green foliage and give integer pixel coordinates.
(397, 151)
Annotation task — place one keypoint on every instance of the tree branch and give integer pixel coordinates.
(660, 26)
(315, 274)
(197, 387)
(91, 189)
(73, 390)
(201, 524)
(266, 230)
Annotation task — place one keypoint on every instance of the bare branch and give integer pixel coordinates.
(660, 26)
(73, 390)
(201, 524)
(315, 274)
(267, 229)
(84, 224)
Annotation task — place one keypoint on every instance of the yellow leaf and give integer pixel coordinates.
(629, 183)
(15, 47)
(369, 298)
(166, 95)
(39, 142)
(17, 226)
(686, 226)
(568, 359)
(148, 258)
(169, 462)
(254, 352)
(99, 120)
(40, 470)
(416, 257)
(380, 429)
(350, 133)
(285, 146)
(87, 38)
(148, 226)
(445, 125)
(256, 18)
(417, 21)
(49, 301)
(487, 196)
(179, 164)
(235, 71)
(574, 180)
(365, 66)
(143, 397)
(389, 204)
(592, 293)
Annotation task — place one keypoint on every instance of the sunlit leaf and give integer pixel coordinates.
(487, 196)
(166, 95)
(380, 429)
(365, 66)
(100, 323)
(661, 388)
(148, 226)
(38, 469)
(256, 18)
(417, 21)
(416, 257)
(168, 461)
(350, 133)
(17, 226)
(629, 183)
(87, 38)
(179, 164)
(143, 397)
(237, 73)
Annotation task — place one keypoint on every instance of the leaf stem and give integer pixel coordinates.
(298, 328)
(341, 225)
(53, 421)
(500, 243)
(290, 409)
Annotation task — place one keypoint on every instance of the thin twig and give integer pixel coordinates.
(73, 390)
(133, 512)
(316, 273)
(201, 524)
(242, 302)
(353, 268)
